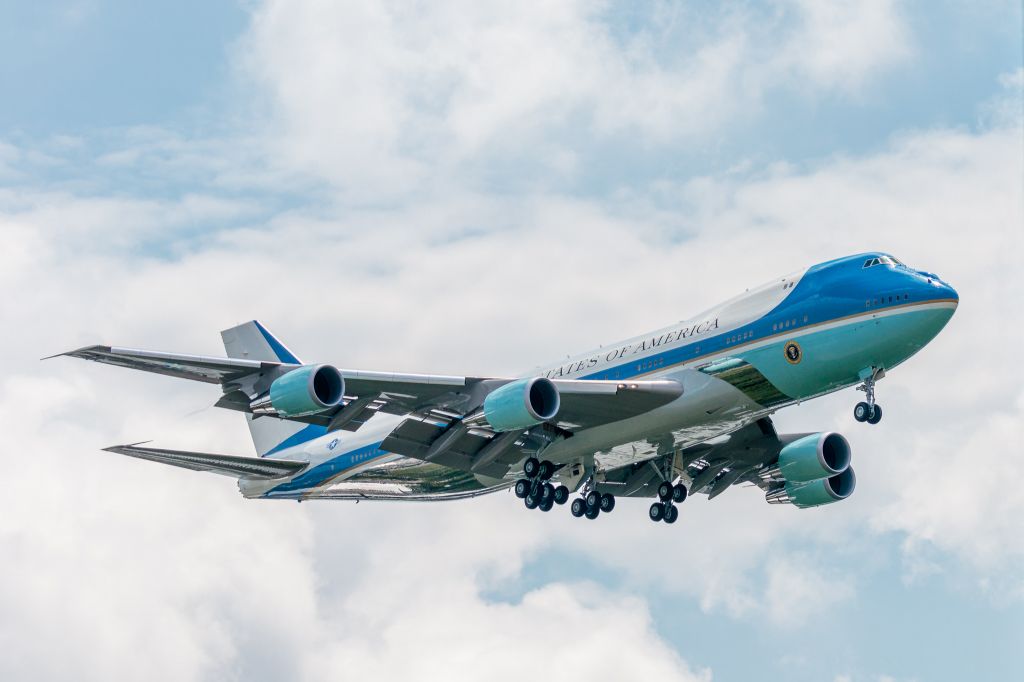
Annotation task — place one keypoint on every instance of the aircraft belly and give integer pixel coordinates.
(707, 408)
(403, 478)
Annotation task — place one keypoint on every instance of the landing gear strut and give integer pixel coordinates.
(535, 491)
(868, 411)
(668, 495)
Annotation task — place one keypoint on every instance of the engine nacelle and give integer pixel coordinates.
(521, 404)
(813, 457)
(307, 390)
(816, 493)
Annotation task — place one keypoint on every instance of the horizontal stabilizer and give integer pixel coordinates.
(228, 465)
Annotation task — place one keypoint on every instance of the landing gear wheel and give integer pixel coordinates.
(522, 488)
(877, 416)
(592, 512)
(531, 501)
(671, 513)
(678, 493)
(861, 412)
(593, 499)
(547, 492)
(607, 502)
(561, 495)
(546, 505)
(547, 469)
(578, 507)
(665, 491)
(531, 467)
(657, 511)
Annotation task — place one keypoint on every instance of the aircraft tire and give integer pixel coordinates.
(657, 511)
(531, 501)
(522, 488)
(546, 505)
(578, 507)
(665, 491)
(593, 499)
(592, 512)
(861, 412)
(561, 495)
(678, 493)
(607, 502)
(671, 513)
(876, 416)
(546, 470)
(530, 467)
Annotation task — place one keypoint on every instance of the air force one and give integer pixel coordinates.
(681, 410)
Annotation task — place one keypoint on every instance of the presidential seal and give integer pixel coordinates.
(793, 352)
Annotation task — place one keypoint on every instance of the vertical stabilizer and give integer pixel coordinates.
(253, 341)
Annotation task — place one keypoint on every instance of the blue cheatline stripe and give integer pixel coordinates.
(307, 434)
(331, 468)
(282, 353)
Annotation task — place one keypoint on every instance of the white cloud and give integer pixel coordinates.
(386, 98)
(461, 279)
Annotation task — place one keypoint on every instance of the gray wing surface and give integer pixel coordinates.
(228, 465)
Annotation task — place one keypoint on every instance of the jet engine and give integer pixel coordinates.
(815, 493)
(521, 404)
(307, 390)
(811, 470)
(811, 457)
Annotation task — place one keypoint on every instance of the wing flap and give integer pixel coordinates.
(227, 465)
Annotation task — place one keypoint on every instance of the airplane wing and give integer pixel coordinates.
(435, 406)
(584, 403)
(228, 465)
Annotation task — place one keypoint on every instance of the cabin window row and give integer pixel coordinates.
(882, 300)
(650, 364)
(786, 324)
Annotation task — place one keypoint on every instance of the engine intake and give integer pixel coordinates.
(307, 390)
(812, 457)
(815, 493)
(521, 404)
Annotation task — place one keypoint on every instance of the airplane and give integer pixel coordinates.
(683, 410)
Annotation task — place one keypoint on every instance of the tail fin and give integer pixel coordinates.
(252, 341)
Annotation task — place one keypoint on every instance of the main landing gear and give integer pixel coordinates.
(668, 495)
(869, 411)
(535, 490)
(592, 503)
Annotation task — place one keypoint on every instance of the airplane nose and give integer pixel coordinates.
(939, 290)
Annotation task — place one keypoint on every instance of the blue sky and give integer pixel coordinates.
(166, 173)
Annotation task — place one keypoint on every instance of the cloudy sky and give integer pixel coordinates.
(462, 188)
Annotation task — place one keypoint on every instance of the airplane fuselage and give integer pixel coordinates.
(800, 336)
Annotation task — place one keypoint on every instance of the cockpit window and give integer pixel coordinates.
(884, 260)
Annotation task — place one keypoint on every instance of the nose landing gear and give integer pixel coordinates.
(869, 411)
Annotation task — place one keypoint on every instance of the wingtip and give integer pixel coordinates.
(118, 448)
(77, 352)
